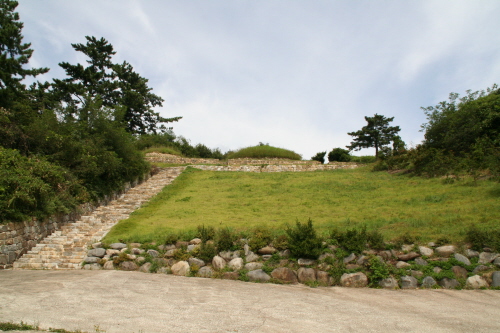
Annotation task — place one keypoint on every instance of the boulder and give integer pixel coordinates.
(153, 253)
(236, 264)
(284, 274)
(306, 275)
(170, 253)
(132, 245)
(181, 268)
(137, 251)
(97, 245)
(324, 278)
(92, 267)
(218, 263)
(460, 272)
(251, 257)
(487, 257)
(421, 262)
(471, 253)
(362, 260)
(407, 247)
(266, 250)
(463, 259)
(258, 275)
(205, 271)
(306, 262)
(108, 265)
(195, 241)
(496, 262)
(92, 260)
(128, 266)
(112, 253)
(118, 246)
(191, 247)
(355, 280)
(402, 264)
(229, 255)
(480, 268)
(98, 252)
(349, 258)
(386, 255)
(476, 282)
(389, 283)
(425, 251)
(416, 274)
(180, 244)
(446, 250)
(145, 268)
(437, 270)
(246, 249)
(408, 282)
(428, 282)
(326, 255)
(251, 266)
(495, 279)
(196, 261)
(449, 283)
(231, 275)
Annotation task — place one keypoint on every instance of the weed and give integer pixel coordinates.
(225, 239)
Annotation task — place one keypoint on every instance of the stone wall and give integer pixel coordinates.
(173, 159)
(17, 238)
(278, 168)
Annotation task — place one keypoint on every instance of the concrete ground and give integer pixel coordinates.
(117, 301)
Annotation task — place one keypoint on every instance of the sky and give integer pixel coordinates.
(297, 74)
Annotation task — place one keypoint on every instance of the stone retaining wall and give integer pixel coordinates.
(278, 168)
(17, 238)
(173, 159)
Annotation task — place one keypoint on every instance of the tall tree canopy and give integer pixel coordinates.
(377, 134)
(114, 84)
(14, 54)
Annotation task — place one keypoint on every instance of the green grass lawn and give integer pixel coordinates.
(395, 205)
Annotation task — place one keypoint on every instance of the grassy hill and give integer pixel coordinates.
(344, 199)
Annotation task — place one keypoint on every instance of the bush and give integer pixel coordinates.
(206, 252)
(205, 233)
(339, 155)
(303, 242)
(225, 239)
(320, 157)
(480, 239)
(260, 238)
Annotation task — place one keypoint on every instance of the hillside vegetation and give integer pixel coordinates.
(264, 151)
(394, 205)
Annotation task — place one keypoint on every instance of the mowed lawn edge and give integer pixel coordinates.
(395, 205)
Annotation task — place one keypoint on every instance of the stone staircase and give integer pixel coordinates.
(67, 248)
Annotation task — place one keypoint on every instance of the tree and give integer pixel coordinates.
(339, 155)
(14, 54)
(320, 157)
(114, 84)
(376, 134)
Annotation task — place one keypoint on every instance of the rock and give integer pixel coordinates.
(306, 262)
(180, 244)
(285, 253)
(140, 260)
(251, 257)
(416, 274)
(463, 259)
(258, 275)
(425, 251)
(421, 262)
(112, 253)
(407, 247)
(153, 253)
(266, 250)
(480, 268)
(437, 269)
(92, 267)
(170, 253)
(236, 264)
(192, 247)
(431, 244)
(408, 282)
(352, 266)
(487, 257)
(99, 252)
(460, 272)
(476, 282)
(108, 265)
(118, 246)
(128, 266)
(181, 268)
(92, 260)
(389, 283)
(196, 261)
(284, 274)
(446, 250)
(496, 262)
(169, 247)
(354, 280)
(131, 256)
(306, 275)
(137, 251)
(132, 245)
(246, 249)
(402, 264)
(349, 258)
(362, 260)
(428, 282)
(266, 257)
(324, 278)
(97, 245)
(218, 263)
(163, 270)
(386, 255)
(495, 277)
(408, 256)
(195, 241)
(449, 283)
(251, 266)
(145, 268)
(471, 253)
(229, 255)
(231, 275)
(205, 271)
(326, 255)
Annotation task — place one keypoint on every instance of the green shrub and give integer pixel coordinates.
(225, 239)
(303, 242)
(379, 270)
(206, 252)
(260, 238)
(320, 157)
(339, 155)
(352, 240)
(205, 233)
(479, 239)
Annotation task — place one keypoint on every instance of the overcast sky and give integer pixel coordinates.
(294, 74)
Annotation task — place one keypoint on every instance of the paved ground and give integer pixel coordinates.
(125, 302)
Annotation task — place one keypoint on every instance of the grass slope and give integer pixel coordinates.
(265, 151)
(394, 205)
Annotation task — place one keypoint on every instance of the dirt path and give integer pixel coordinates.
(117, 301)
